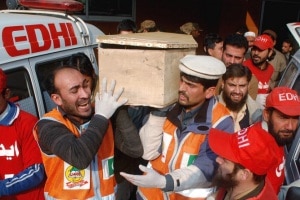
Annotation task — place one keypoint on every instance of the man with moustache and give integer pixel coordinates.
(235, 84)
(258, 64)
(181, 164)
(235, 47)
(244, 159)
(77, 141)
(280, 120)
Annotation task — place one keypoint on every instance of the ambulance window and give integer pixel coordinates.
(289, 75)
(21, 91)
(296, 85)
(103, 10)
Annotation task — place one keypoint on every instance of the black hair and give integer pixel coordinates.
(49, 81)
(210, 41)
(289, 41)
(236, 40)
(237, 70)
(126, 25)
(83, 64)
(242, 30)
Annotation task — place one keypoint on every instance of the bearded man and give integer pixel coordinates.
(235, 85)
(261, 53)
(244, 159)
(280, 120)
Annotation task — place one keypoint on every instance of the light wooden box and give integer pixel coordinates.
(145, 64)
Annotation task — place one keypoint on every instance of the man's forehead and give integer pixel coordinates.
(68, 76)
(237, 80)
(234, 48)
(185, 79)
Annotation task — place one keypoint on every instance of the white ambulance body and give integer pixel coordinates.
(32, 43)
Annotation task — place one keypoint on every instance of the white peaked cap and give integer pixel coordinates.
(250, 33)
(206, 67)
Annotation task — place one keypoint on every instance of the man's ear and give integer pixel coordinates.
(245, 174)
(209, 92)
(56, 99)
(222, 84)
(209, 51)
(270, 53)
(205, 49)
(266, 115)
(7, 94)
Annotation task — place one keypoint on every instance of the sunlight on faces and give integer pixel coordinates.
(235, 91)
(73, 93)
(260, 56)
(286, 48)
(282, 127)
(250, 40)
(217, 51)
(233, 55)
(190, 94)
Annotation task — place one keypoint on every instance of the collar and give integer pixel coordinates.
(191, 113)
(202, 114)
(9, 115)
(264, 125)
(71, 118)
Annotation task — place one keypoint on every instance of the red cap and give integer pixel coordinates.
(249, 147)
(285, 100)
(2, 80)
(263, 42)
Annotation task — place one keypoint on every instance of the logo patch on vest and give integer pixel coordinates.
(187, 159)
(76, 179)
(108, 167)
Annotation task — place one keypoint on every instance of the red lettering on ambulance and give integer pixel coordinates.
(33, 31)
(9, 40)
(55, 34)
(22, 40)
(72, 34)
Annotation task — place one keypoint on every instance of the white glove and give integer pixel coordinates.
(261, 100)
(107, 103)
(151, 179)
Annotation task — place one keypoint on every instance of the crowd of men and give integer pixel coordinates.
(223, 139)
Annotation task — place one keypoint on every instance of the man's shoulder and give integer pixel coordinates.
(248, 63)
(26, 117)
(220, 109)
(279, 53)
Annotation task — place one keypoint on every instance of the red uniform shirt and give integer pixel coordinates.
(263, 76)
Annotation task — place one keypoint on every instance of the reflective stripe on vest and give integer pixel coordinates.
(197, 193)
(100, 173)
(179, 154)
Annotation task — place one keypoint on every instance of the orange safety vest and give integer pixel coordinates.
(177, 155)
(67, 182)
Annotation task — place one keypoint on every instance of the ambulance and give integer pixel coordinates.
(34, 41)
